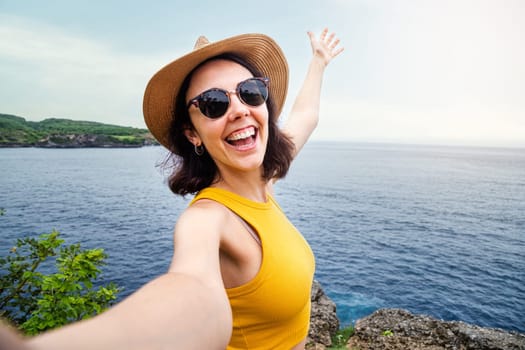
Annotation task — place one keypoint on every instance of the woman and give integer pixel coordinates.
(241, 274)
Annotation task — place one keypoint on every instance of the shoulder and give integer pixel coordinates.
(202, 213)
(197, 240)
(204, 219)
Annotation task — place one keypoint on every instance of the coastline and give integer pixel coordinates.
(16, 132)
(82, 141)
(398, 329)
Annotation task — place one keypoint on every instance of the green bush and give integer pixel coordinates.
(34, 301)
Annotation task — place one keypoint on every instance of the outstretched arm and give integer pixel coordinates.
(304, 114)
(10, 339)
(174, 311)
(186, 308)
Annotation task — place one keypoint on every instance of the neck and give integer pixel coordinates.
(251, 186)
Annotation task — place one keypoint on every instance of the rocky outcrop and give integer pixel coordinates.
(323, 319)
(396, 329)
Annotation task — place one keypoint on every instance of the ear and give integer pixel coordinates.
(192, 136)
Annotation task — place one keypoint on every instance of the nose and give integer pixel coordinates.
(237, 108)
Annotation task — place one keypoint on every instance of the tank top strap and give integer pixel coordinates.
(232, 200)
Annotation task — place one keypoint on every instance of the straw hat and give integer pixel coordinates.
(257, 49)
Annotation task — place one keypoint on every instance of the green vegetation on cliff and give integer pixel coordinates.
(17, 132)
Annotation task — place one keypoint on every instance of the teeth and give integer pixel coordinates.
(242, 135)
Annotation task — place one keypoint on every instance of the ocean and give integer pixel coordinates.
(437, 230)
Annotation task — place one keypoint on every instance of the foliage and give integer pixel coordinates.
(387, 333)
(340, 339)
(35, 301)
(64, 126)
(16, 131)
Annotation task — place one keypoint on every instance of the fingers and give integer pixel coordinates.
(311, 35)
(338, 51)
(334, 44)
(326, 46)
(323, 34)
(330, 42)
(330, 38)
(325, 38)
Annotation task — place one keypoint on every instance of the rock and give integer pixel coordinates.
(84, 140)
(323, 320)
(393, 329)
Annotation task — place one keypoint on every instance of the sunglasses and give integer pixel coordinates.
(214, 103)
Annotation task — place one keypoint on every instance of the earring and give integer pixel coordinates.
(199, 150)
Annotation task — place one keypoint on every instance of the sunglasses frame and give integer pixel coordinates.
(195, 101)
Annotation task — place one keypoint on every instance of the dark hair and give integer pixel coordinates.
(192, 173)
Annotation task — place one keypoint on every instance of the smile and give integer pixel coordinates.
(244, 137)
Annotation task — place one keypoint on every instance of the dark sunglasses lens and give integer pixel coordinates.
(214, 103)
(253, 92)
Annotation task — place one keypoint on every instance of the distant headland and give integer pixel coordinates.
(15, 131)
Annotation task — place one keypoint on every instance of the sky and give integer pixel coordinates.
(413, 71)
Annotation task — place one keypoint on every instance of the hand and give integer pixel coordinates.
(325, 48)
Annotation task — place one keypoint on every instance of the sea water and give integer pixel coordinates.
(433, 229)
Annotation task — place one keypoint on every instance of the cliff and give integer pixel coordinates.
(397, 329)
(89, 140)
(323, 319)
(65, 133)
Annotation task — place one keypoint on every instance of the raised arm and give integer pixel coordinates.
(304, 114)
(186, 308)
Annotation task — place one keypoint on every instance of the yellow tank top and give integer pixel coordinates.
(272, 311)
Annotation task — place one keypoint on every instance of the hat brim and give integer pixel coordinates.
(259, 50)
